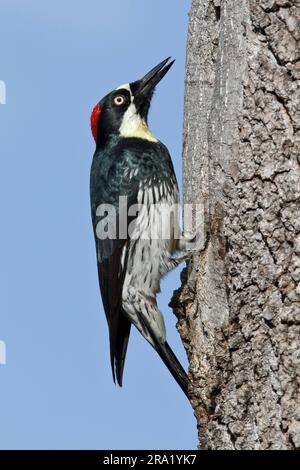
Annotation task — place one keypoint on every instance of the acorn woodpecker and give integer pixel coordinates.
(133, 185)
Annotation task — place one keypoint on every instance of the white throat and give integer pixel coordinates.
(132, 124)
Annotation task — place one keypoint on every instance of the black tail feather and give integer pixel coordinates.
(169, 358)
(121, 346)
(173, 365)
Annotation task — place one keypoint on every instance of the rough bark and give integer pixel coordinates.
(239, 305)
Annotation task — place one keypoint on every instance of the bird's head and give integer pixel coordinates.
(124, 111)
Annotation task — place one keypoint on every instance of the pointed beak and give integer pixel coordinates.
(143, 89)
(149, 81)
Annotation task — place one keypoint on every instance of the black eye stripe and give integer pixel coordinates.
(121, 98)
(123, 92)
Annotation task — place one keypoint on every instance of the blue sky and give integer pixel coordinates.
(56, 391)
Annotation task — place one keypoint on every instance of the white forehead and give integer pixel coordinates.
(126, 86)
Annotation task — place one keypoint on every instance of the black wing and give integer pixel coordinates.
(111, 276)
(118, 172)
(110, 178)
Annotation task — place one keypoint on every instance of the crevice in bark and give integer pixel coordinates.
(218, 11)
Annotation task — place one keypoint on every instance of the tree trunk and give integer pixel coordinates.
(239, 305)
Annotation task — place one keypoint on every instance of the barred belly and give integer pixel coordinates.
(148, 259)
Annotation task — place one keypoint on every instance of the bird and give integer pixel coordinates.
(133, 190)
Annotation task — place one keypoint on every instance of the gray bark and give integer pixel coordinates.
(238, 307)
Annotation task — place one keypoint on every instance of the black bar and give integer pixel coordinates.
(134, 458)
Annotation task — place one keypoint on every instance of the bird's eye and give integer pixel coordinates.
(119, 100)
